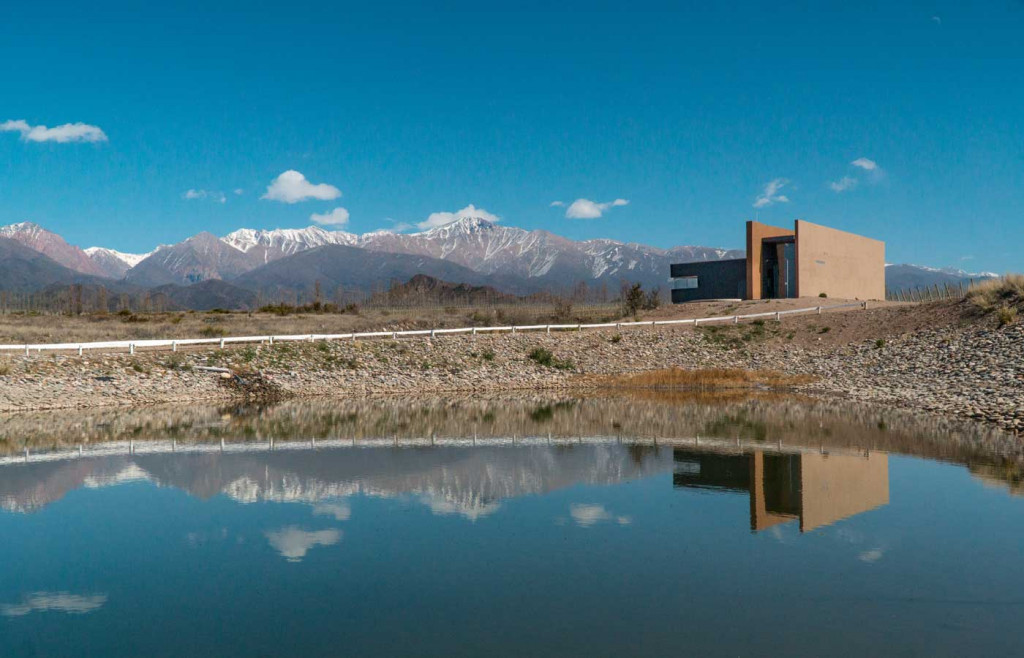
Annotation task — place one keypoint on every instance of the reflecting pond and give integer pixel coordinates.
(517, 525)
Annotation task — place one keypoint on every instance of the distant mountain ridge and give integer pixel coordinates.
(472, 251)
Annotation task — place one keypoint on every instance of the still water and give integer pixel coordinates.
(509, 526)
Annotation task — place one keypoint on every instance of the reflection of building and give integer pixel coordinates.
(818, 489)
(808, 261)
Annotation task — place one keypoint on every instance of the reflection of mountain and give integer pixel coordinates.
(816, 488)
(466, 481)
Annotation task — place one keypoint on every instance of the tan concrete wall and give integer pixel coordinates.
(838, 263)
(756, 231)
(835, 487)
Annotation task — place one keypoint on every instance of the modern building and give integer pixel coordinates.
(809, 261)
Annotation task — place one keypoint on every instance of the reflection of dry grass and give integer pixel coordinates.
(709, 380)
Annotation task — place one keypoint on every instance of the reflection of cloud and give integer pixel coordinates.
(473, 510)
(337, 511)
(874, 555)
(293, 543)
(72, 604)
(130, 473)
(588, 515)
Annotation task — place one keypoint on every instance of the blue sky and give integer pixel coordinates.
(686, 111)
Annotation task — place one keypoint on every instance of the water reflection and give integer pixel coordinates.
(815, 488)
(447, 527)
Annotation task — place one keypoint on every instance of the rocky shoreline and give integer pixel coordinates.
(971, 372)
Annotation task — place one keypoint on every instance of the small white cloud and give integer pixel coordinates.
(588, 515)
(69, 132)
(212, 195)
(436, 219)
(293, 543)
(844, 184)
(292, 187)
(337, 511)
(937, 20)
(239, 191)
(337, 217)
(72, 604)
(558, 204)
(587, 209)
(872, 556)
(771, 194)
(865, 164)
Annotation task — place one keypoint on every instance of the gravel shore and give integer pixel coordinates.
(972, 372)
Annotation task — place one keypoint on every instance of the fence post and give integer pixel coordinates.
(131, 348)
(431, 333)
(819, 310)
(271, 341)
(735, 319)
(548, 328)
(778, 318)
(222, 343)
(513, 330)
(26, 350)
(79, 350)
(174, 346)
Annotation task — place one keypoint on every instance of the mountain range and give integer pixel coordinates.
(274, 263)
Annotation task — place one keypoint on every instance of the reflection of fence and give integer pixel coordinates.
(931, 293)
(162, 447)
(173, 345)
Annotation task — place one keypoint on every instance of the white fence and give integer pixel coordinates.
(173, 345)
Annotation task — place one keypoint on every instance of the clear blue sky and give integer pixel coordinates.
(687, 112)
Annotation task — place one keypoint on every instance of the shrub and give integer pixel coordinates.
(5, 369)
(822, 295)
(1006, 315)
(488, 354)
(213, 332)
(544, 357)
(617, 338)
(993, 294)
(880, 343)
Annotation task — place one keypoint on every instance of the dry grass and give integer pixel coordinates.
(710, 380)
(20, 328)
(996, 294)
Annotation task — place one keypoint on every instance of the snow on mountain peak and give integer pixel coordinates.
(286, 240)
(131, 260)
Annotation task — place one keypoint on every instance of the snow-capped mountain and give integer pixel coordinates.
(492, 249)
(905, 276)
(50, 244)
(114, 263)
(200, 258)
(265, 246)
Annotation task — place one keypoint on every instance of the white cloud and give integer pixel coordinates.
(337, 217)
(436, 219)
(69, 132)
(937, 20)
(292, 187)
(587, 209)
(239, 191)
(72, 604)
(338, 511)
(871, 556)
(865, 164)
(212, 195)
(293, 543)
(588, 515)
(843, 184)
(771, 194)
(557, 204)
